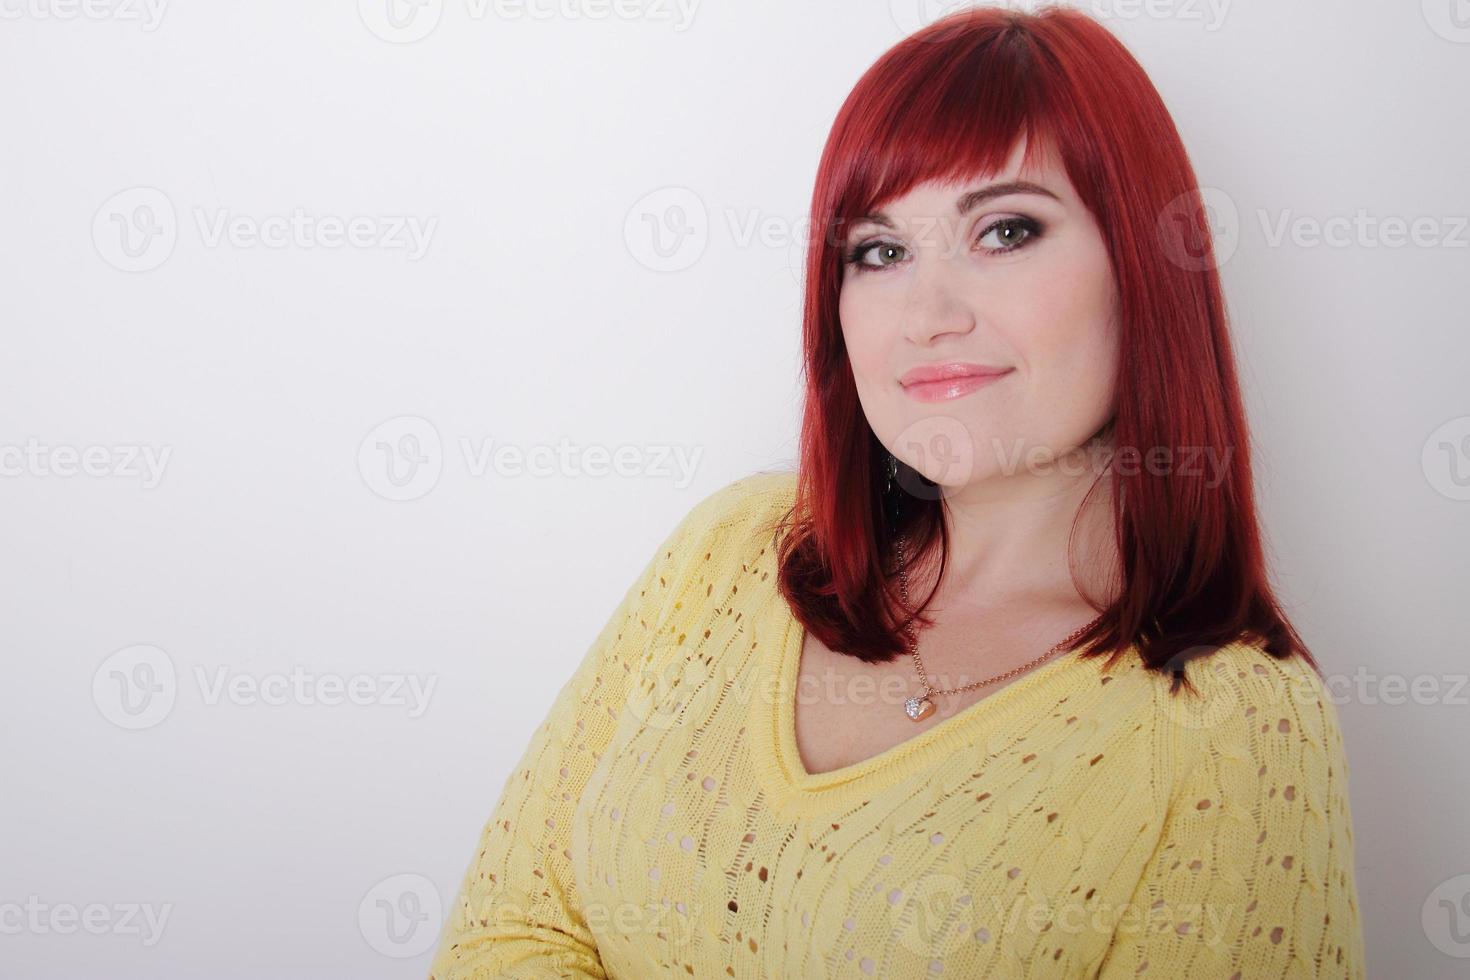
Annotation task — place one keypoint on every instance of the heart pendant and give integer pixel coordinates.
(918, 708)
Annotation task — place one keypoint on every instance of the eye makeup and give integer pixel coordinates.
(1022, 228)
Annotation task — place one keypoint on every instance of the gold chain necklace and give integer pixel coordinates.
(920, 707)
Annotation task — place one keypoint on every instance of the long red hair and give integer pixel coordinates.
(949, 102)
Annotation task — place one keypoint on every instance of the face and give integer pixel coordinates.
(1019, 284)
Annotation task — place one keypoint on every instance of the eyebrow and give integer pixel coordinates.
(973, 199)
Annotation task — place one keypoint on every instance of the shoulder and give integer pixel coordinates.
(746, 506)
(1245, 681)
(1254, 706)
(748, 497)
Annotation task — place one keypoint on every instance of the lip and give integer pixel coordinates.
(937, 382)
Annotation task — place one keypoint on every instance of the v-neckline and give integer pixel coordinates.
(778, 721)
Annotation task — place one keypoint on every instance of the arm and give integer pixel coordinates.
(517, 913)
(1253, 875)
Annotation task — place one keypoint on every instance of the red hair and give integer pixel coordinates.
(949, 102)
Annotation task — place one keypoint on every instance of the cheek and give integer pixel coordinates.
(1073, 311)
(862, 320)
(1088, 367)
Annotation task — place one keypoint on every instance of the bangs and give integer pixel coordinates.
(947, 109)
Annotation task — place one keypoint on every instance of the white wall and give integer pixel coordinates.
(533, 310)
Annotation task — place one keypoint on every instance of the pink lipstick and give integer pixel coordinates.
(938, 382)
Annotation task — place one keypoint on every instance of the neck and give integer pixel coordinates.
(1009, 538)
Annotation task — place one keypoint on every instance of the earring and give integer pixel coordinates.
(892, 501)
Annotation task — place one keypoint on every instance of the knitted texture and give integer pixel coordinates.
(1078, 822)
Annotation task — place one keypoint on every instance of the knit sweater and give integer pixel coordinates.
(1078, 822)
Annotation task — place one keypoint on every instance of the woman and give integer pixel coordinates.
(1063, 728)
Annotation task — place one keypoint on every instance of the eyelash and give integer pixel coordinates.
(1032, 228)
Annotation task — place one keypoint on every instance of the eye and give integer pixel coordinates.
(1008, 234)
(884, 250)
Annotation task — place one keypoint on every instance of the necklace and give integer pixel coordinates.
(920, 706)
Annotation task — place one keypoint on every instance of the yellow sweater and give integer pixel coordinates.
(1078, 822)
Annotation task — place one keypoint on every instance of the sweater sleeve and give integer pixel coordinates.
(1252, 876)
(517, 913)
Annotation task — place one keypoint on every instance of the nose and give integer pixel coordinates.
(935, 304)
